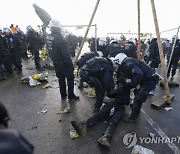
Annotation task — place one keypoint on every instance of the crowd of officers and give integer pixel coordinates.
(14, 46)
(113, 70)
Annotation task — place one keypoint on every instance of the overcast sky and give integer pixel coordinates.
(112, 16)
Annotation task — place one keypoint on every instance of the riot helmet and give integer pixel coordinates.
(118, 59)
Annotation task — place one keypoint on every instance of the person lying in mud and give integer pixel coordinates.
(112, 112)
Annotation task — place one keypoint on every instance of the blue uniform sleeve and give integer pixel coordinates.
(137, 76)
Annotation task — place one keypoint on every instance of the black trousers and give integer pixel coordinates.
(104, 113)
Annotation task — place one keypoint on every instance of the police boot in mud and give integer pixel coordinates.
(104, 141)
(135, 113)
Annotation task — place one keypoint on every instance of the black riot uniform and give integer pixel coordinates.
(112, 112)
(35, 43)
(174, 60)
(12, 142)
(59, 54)
(5, 58)
(85, 57)
(153, 57)
(14, 49)
(129, 49)
(2, 55)
(112, 49)
(141, 77)
(98, 72)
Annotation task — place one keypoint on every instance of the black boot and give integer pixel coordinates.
(80, 127)
(74, 97)
(104, 141)
(135, 113)
(131, 119)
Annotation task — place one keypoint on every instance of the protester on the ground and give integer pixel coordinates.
(59, 53)
(112, 112)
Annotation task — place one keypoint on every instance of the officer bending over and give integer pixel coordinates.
(141, 76)
(98, 73)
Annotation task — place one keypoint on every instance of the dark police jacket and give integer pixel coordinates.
(130, 49)
(34, 40)
(112, 50)
(85, 57)
(101, 69)
(153, 50)
(58, 50)
(12, 142)
(135, 70)
(176, 53)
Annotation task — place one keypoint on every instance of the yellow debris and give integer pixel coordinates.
(73, 134)
(66, 110)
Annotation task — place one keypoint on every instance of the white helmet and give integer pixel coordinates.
(55, 24)
(29, 27)
(102, 41)
(150, 38)
(100, 53)
(113, 41)
(118, 59)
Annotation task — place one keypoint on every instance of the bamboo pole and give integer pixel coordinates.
(139, 39)
(87, 30)
(163, 66)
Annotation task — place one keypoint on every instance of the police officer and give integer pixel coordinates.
(129, 49)
(35, 42)
(59, 53)
(5, 59)
(12, 142)
(2, 51)
(23, 42)
(153, 58)
(139, 76)
(98, 73)
(112, 111)
(84, 58)
(113, 49)
(175, 57)
(13, 44)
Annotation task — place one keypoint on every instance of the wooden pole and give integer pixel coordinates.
(87, 30)
(163, 66)
(139, 39)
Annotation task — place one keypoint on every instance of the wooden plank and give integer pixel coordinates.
(159, 103)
